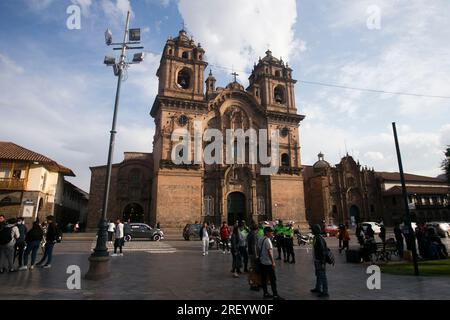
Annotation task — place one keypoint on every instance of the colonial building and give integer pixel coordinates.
(31, 184)
(351, 193)
(345, 193)
(197, 191)
(428, 197)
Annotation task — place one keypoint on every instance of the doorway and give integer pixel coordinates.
(133, 212)
(236, 207)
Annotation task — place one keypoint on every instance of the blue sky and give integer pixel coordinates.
(56, 95)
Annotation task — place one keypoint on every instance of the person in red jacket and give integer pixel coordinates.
(225, 236)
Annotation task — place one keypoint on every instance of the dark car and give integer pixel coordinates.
(142, 231)
(192, 230)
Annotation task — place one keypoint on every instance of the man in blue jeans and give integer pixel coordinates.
(320, 252)
(50, 240)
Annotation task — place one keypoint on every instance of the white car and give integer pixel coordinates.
(376, 227)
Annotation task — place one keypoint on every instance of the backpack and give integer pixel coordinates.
(5, 235)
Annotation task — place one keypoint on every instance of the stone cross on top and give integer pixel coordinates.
(235, 75)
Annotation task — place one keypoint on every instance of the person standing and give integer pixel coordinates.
(320, 253)
(243, 234)
(382, 234)
(20, 243)
(237, 260)
(8, 237)
(33, 240)
(289, 242)
(345, 236)
(50, 239)
(254, 279)
(225, 237)
(279, 237)
(359, 232)
(118, 238)
(111, 228)
(204, 236)
(399, 239)
(267, 264)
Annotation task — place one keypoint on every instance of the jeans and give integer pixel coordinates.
(267, 271)
(290, 249)
(32, 247)
(20, 246)
(48, 253)
(7, 256)
(400, 248)
(321, 277)
(118, 243)
(244, 254)
(226, 244)
(205, 245)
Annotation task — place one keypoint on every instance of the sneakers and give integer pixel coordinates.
(223, 252)
(204, 254)
(120, 254)
(47, 266)
(31, 267)
(267, 296)
(22, 268)
(315, 290)
(114, 255)
(235, 275)
(277, 297)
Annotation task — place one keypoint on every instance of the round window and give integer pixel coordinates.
(182, 120)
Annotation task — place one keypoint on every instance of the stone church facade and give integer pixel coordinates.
(176, 194)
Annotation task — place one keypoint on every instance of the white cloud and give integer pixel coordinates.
(116, 11)
(234, 33)
(85, 6)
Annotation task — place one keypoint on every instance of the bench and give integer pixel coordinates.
(385, 251)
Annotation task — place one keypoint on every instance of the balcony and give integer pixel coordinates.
(12, 184)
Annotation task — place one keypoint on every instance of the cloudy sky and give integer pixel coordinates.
(56, 96)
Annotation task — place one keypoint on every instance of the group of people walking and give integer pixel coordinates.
(17, 243)
(252, 251)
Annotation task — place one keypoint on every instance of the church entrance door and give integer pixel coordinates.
(354, 215)
(133, 212)
(236, 207)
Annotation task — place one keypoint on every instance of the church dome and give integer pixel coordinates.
(321, 163)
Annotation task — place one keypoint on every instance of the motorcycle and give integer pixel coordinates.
(304, 239)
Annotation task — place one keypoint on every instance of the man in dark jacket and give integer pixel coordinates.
(50, 240)
(399, 239)
(320, 254)
(20, 242)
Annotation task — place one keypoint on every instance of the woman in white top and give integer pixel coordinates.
(111, 228)
(119, 238)
(7, 250)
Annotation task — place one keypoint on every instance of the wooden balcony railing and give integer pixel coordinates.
(12, 184)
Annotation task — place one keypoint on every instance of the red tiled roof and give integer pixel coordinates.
(395, 176)
(418, 190)
(11, 151)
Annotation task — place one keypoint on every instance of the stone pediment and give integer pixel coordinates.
(235, 91)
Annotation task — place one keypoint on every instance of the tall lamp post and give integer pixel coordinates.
(99, 259)
(407, 219)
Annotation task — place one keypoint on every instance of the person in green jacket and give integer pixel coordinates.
(289, 243)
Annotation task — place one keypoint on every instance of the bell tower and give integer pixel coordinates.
(181, 70)
(271, 83)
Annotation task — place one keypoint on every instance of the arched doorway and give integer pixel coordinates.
(236, 207)
(133, 212)
(354, 215)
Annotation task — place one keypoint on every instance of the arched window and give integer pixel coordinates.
(277, 73)
(199, 57)
(184, 78)
(208, 203)
(279, 94)
(185, 55)
(260, 205)
(135, 176)
(170, 51)
(285, 160)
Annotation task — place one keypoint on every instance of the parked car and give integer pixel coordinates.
(192, 230)
(142, 231)
(376, 227)
(442, 228)
(331, 230)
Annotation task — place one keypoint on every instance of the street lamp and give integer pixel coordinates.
(99, 259)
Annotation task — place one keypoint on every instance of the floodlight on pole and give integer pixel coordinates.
(135, 35)
(108, 37)
(99, 259)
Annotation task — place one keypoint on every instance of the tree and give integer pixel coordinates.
(446, 163)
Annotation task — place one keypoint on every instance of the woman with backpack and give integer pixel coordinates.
(9, 233)
(33, 240)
